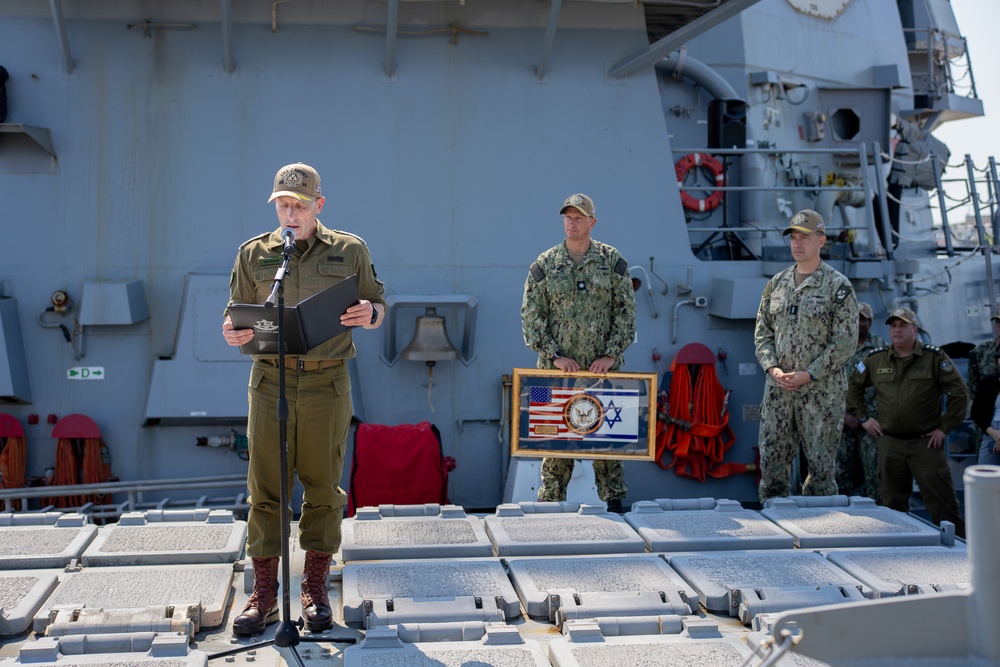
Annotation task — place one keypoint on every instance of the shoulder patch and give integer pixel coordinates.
(354, 236)
(621, 267)
(841, 294)
(947, 366)
(536, 272)
(255, 238)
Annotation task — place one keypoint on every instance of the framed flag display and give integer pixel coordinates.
(583, 415)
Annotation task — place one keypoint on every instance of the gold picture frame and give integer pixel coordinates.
(583, 415)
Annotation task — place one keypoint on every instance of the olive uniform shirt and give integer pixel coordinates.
(910, 390)
(330, 256)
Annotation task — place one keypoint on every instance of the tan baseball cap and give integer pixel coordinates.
(297, 180)
(996, 315)
(864, 310)
(904, 314)
(580, 202)
(807, 222)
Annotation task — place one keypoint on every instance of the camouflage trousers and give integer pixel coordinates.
(857, 453)
(609, 474)
(793, 420)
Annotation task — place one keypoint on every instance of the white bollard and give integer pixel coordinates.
(982, 520)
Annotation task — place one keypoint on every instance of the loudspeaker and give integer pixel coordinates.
(727, 123)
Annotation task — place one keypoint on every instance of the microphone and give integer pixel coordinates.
(287, 241)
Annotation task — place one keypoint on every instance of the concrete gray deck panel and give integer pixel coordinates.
(583, 645)
(590, 530)
(600, 586)
(747, 583)
(437, 590)
(836, 521)
(726, 525)
(22, 594)
(500, 647)
(906, 570)
(172, 537)
(377, 534)
(122, 589)
(142, 651)
(43, 540)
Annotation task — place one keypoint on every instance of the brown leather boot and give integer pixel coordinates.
(262, 608)
(316, 610)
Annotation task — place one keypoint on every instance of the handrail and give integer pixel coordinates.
(134, 489)
(865, 187)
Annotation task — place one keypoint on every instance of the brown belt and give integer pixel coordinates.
(296, 364)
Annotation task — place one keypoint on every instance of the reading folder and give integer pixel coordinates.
(314, 320)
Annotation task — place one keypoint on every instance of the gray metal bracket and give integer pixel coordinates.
(392, 611)
(567, 605)
(748, 602)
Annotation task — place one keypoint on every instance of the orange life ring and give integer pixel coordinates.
(686, 164)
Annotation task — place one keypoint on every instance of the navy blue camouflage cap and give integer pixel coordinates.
(580, 202)
(807, 222)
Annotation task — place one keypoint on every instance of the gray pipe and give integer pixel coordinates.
(697, 71)
(982, 497)
(751, 164)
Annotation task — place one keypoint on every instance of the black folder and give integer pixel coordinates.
(314, 320)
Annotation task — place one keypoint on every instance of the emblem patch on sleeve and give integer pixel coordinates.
(840, 295)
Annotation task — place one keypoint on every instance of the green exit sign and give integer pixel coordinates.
(86, 373)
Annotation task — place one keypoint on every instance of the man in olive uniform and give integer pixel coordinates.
(317, 388)
(807, 329)
(856, 446)
(578, 312)
(910, 379)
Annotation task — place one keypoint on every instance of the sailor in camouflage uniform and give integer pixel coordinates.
(983, 358)
(578, 312)
(855, 443)
(911, 379)
(807, 329)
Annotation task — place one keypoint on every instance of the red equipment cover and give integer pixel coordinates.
(397, 465)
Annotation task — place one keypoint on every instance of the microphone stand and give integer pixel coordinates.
(287, 633)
